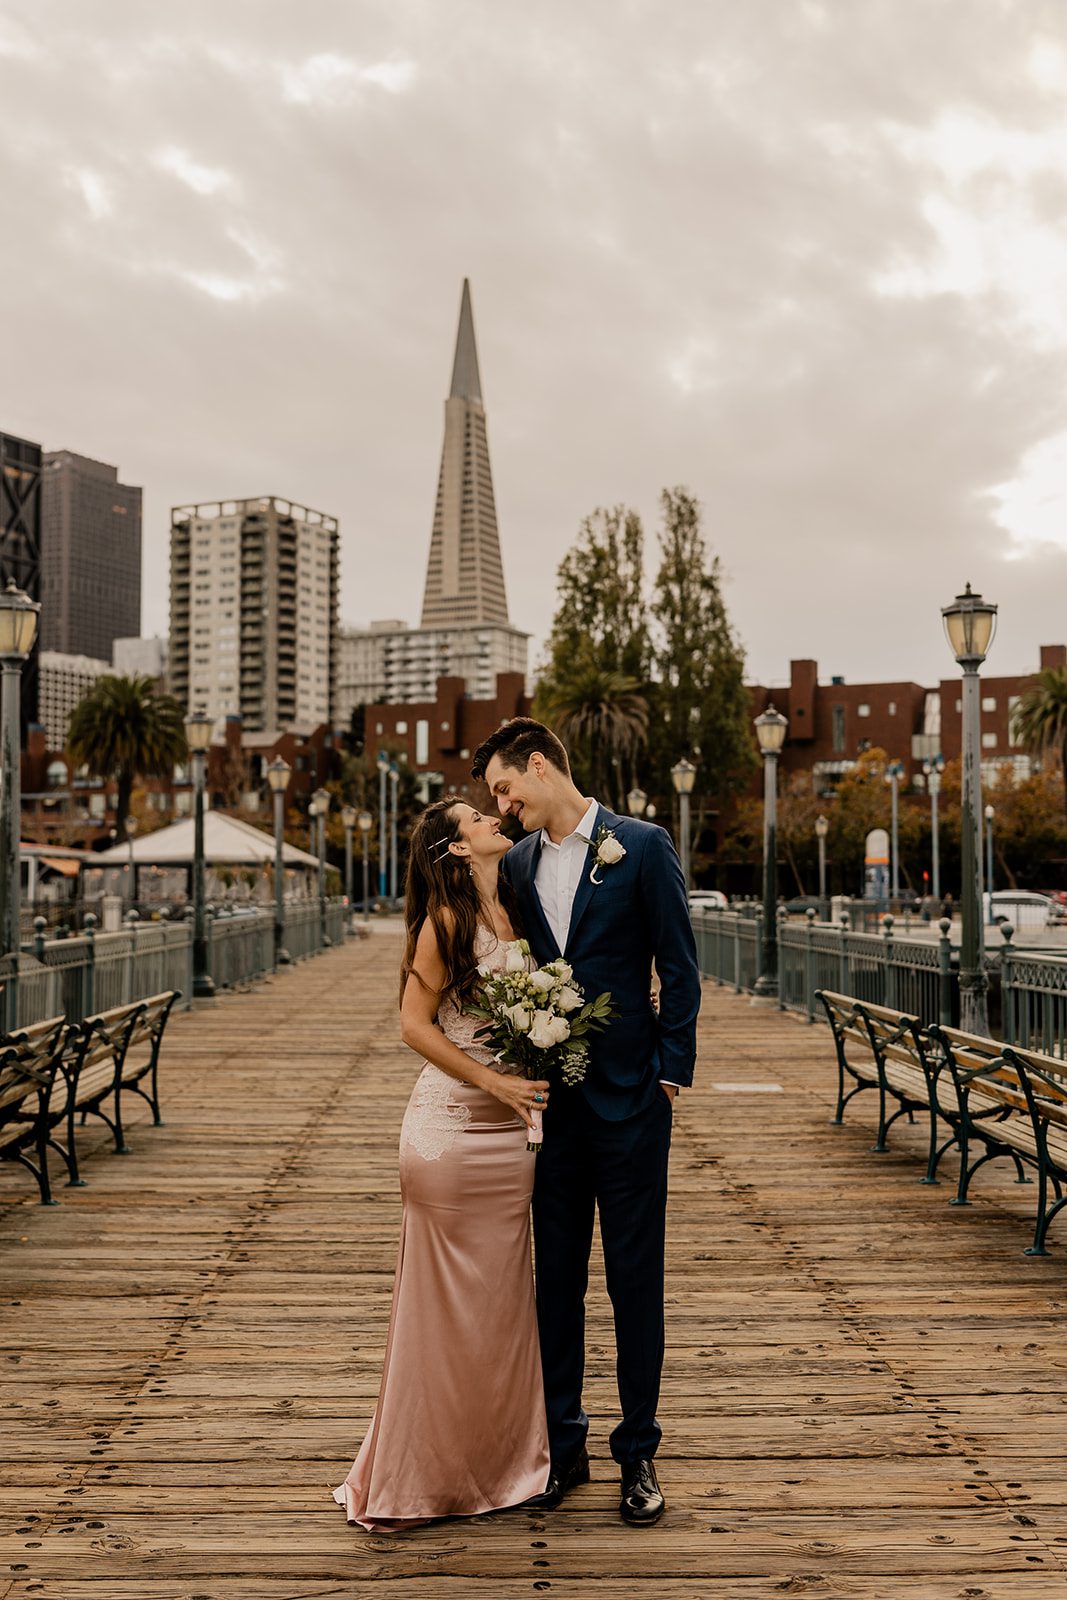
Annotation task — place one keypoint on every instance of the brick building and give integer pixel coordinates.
(831, 724)
(439, 737)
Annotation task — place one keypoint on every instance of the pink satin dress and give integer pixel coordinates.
(459, 1427)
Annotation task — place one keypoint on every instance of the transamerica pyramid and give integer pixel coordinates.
(464, 575)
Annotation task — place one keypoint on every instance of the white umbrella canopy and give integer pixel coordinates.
(228, 842)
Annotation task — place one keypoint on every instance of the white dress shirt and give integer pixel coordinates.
(559, 872)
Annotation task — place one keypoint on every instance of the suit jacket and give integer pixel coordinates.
(636, 915)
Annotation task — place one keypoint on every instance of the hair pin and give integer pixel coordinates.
(440, 850)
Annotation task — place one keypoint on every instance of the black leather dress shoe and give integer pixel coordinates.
(561, 1480)
(642, 1499)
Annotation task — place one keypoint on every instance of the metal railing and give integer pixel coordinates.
(916, 976)
(89, 972)
(1033, 997)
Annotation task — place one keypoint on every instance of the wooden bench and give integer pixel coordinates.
(30, 1106)
(111, 1055)
(886, 1050)
(1010, 1102)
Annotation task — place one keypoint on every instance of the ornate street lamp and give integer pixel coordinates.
(18, 632)
(822, 828)
(970, 623)
(383, 774)
(348, 819)
(770, 731)
(394, 791)
(893, 774)
(933, 770)
(278, 777)
(636, 801)
(366, 822)
(683, 776)
(198, 730)
(318, 806)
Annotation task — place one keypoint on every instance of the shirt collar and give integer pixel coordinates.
(584, 830)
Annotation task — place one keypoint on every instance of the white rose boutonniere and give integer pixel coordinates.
(607, 851)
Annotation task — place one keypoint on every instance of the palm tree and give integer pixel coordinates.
(602, 717)
(1040, 718)
(125, 729)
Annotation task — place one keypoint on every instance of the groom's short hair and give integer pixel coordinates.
(516, 742)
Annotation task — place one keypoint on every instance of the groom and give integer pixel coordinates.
(607, 893)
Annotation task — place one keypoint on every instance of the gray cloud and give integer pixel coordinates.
(736, 247)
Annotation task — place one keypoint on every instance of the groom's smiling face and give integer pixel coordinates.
(526, 796)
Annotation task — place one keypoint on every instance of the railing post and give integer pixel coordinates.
(809, 964)
(1007, 990)
(781, 917)
(89, 986)
(130, 964)
(40, 924)
(737, 955)
(944, 987)
(843, 979)
(889, 977)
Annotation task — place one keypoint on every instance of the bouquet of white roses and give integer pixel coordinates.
(538, 1021)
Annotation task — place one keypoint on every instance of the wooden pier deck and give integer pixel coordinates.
(865, 1394)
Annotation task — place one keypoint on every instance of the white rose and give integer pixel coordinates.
(610, 852)
(541, 1031)
(560, 1029)
(568, 999)
(520, 1018)
(564, 972)
(515, 961)
(543, 981)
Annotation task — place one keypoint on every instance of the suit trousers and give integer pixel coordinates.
(588, 1164)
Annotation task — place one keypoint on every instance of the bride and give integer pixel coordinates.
(460, 1422)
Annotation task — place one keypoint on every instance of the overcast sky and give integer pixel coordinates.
(808, 259)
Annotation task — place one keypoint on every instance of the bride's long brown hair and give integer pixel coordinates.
(439, 885)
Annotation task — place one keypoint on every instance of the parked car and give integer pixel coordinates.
(1024, 908)
(800, 903)
(708, 900)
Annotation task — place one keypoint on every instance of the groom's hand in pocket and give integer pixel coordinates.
(670, 1090)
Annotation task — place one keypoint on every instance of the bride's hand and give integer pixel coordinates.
(521, 1094)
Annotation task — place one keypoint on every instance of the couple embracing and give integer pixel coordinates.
(480, 1406)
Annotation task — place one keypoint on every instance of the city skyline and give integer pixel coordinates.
(804, 260)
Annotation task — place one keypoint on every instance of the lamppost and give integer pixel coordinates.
(278, 778)
(770, 731)
(636, 801)
(394, 791)
(318, 806)
(970, 623)
(893, 775)
(365, 823)
(131, 834)
(18, 631)
(822, 828)
(383, 772)
(990, 813)
(198, 730)
(683, 776)
(348, 817)
(933, 770)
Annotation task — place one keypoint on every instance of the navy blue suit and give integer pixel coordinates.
(607, 1141)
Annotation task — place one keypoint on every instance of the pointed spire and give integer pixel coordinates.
(466, 380)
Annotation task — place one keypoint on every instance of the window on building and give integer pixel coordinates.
(837, 722)
(989, 702)
(422, 743)
(401, 727)
(892, 708)
(863, 711)
(989, 741)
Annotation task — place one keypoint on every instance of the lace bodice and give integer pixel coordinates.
(457, 1025)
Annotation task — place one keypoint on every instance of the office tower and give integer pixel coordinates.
(90, 556)
(253, 611)
(465, 575)
(64, 680)
(141, 658)
(20, 540)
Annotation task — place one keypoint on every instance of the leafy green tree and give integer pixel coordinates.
(601, 612)
(125, 729)
(1040, 718)
(701, 708)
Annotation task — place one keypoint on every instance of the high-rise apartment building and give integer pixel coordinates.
(465, 630)
(143, 658)
(90, 556)
(20, 540)
(253, 611)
